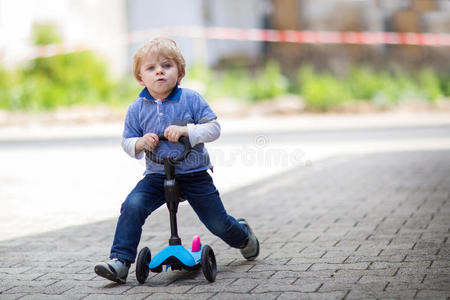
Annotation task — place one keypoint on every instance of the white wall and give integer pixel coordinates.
(148, 14)
(236, 14)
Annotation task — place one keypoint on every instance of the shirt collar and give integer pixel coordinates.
(174, 96)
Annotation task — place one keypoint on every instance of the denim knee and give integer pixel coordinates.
(229, 230)
(218, 226)
(134, 205)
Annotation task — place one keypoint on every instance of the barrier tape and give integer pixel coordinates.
(261, 35)
(313, 37)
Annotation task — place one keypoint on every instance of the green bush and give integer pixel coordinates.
(45, 34)
(269, 84)
(47, 83)
(321, 91)
(430, 85)
(363, 83)
(79, 78)
(444, 84)
(238, 83)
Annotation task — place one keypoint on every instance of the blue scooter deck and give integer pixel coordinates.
(185, 256)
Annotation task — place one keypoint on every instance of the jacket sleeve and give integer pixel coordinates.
(203, 133)
(129, 146)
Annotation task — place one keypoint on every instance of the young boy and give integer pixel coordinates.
(164, 108)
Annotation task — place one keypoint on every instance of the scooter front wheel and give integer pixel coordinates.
(142, 264)
(208, 262)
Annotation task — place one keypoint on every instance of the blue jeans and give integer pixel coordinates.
(148, 195)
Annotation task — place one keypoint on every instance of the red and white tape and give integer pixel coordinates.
(312, 37)
(262, 35)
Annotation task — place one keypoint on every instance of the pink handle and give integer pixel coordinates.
(196, 245)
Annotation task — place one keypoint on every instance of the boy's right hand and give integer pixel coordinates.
(149, 141)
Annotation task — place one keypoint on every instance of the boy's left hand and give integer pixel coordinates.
(174, 132)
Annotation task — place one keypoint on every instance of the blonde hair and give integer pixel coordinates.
(159, 46)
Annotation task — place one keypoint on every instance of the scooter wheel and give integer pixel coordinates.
(196, 245)
(142, 264)
(209, 266)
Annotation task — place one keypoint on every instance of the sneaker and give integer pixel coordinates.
(114, 270)
(251, 250)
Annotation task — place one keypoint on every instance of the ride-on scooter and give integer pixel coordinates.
(175, 256)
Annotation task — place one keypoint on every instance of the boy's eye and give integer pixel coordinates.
(167, 66)
(151, 68)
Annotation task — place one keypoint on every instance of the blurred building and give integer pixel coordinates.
(360, 15)
(107, 24)
(144, 14)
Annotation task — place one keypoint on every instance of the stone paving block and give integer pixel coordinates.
(283, 253)
(369, 289)
(288, 275)
(164, 296)
(370, 278)
(440, 264)
(321, 257)
(14, 270)
(14, 296)
(304, 237)
(282, 267)
(421, 265)
(431, 294)
(251, 275)
(312, 296)
(437, 282)
(216, 287)
(349, 266)
(23, 277)
(156, 288)
(34, 287)
(59, 276)
(115, 297)
(360, 273)
(402, 243)
(357, 294)
(54, 297)
(284, 286)
(262, 296)
(245, 285)
(106, 289)
(424, 252)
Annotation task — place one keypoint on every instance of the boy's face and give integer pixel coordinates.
(159, 74)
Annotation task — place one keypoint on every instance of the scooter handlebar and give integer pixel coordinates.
(160, 160)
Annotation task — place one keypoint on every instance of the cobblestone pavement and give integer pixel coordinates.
(373, 226)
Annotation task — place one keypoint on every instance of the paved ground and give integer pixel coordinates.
(350, 227)
(58, 175)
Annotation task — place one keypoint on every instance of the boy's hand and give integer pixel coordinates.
(149, 141)
(174, 132)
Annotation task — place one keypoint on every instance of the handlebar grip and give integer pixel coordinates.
(160, 160)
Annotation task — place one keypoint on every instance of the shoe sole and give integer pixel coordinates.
(106, 273)
(257, 252)
(245, 223)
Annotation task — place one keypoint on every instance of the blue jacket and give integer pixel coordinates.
(149, 115)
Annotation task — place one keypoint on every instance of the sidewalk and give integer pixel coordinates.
(267, 124)
(350, 227)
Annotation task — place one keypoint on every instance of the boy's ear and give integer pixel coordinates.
(181, 76)
(139, 80)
